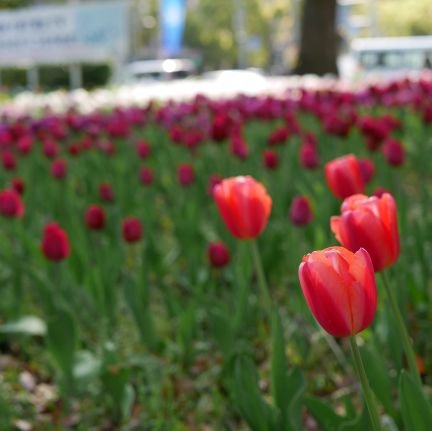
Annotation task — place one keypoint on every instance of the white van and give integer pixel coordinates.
(158, 70)
(387, 57)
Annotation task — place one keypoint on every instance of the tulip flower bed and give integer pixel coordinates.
(152, 267)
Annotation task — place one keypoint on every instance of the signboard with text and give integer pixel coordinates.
(89, 32)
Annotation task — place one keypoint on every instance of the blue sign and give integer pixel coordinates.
(172, 17)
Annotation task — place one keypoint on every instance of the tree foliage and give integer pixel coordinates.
(210, 28)
(405, 17)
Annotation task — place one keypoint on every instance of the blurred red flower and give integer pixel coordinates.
(131, 229)
(300, 211)
(95, 217)
(55, 243)
(11, 205)
(218, 254)
(59, 169)
(185, 174)
(344, 176)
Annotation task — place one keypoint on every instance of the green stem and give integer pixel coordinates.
(262, 283)
(406, 343)
(367, 391)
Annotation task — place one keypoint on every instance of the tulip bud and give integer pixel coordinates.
(214, 180)
(308, 156)
(18, 185)
(244, 206)
(55, 243)
(218, 254)
(146, 176)
(370, 223)
(300, 211)
(50, 149)
(95, 217)
(394, 152)
(131, 230)
(270, 159)
(59, 169)
(24, 144)
(8, 161)
(344, 177)
(11, 205)
(185, 175)
(339, 287)
(367, 169)
(143, 149)
(106, 192)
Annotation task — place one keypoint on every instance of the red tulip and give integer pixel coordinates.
(18, 185)
(278, 136)
(146, 176)
(11, 205)
(308, 156)
(367, 169)
(74, 149)
(55, 243)
(270, 159)
(214, 180)
(218, 254)
(95, 217)
(379, 191)
(50, 149)
(300, 211)
(131, 229)
(339, 287)
(106, 192)
(394, 152)
(238, 147)
(185, 175)
(221, 127)
(24, 144)
(370, 223)
(143, 149)
(344, 176)
(59, 169)
(8, 161)
(244, 206)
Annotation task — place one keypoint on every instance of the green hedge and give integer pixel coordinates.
(56, 77)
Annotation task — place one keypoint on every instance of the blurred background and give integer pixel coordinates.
(47, 45)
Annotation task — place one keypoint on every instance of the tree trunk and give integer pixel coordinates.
(318, 40)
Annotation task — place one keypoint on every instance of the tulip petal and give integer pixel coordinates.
(363, 291)
(388, 213)
(326, 297)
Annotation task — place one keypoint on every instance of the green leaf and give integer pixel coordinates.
(327, 419)
(28, 325)
(247, 396)
(86, 366)
(5, 412)
(222, 329)
(415, 408)
(186, 331)
(297, 383)
(138, 304)
(115, 379)
(376, 371)
(127, 401)
(360, 423)
(287, 387)
(279, 370)
(62, 339)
